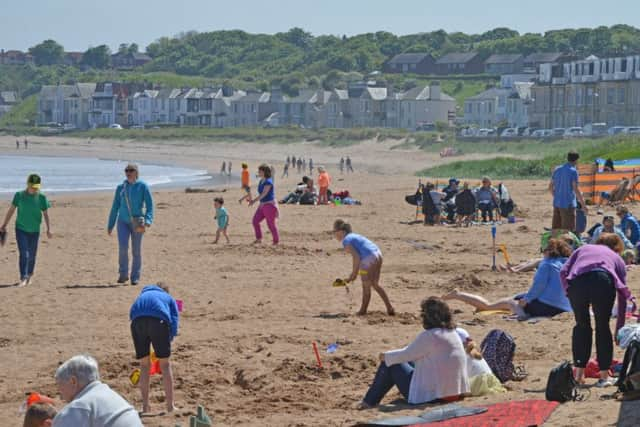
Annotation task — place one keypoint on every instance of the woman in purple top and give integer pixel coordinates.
(367, 262)
(592, 276)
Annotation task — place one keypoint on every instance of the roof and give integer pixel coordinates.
(85, 90)
(256, 97)
(457, 58)
(377, 93)
(523, 89)
(490, 94)
(541, 57)
(141, 56)
(503, 59)
(408, 58)
(423, 93)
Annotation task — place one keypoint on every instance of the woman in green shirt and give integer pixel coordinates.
(32, 206)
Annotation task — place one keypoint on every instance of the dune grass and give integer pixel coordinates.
(540, 158)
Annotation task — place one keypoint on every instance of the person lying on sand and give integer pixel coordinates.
(545, 297)
(439, 369)
(367, 261)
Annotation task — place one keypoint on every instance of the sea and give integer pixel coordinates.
(81, 174)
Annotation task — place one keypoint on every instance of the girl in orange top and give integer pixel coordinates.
(246, 183)
(324, 180)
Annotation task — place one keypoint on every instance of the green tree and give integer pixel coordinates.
(97, 57)
(49, 52)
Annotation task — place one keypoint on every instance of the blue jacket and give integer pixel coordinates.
(155, 302)
(629, 223)
(139, 195)
(546, 286)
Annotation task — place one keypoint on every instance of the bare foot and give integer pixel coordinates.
(215, 242)
(391, 312)
(257, 242)
(451, 295)
(361, 313)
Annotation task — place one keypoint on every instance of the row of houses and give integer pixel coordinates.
(362, 104)
(562, 95)
(119, 61)
(471, 63)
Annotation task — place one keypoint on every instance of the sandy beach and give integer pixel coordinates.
(251, 313)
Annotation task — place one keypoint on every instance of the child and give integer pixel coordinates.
(324, 180)
(246, 183)
(367, 262)
(39, 415)
(481, 379)
(222, 217)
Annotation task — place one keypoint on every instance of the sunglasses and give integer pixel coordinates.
(129, 170)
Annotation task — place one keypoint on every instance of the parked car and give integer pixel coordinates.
(558, 131)
(509, 133)
(137, 127)
(468, 132)
(573, 132)
(632, 130)
(542, 133)
(528, 132)
(615, 130)
(426, 127)
(595, 129)
(483, 133)
(115, 126)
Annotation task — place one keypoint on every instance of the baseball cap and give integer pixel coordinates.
(34, 181)
(454, 181)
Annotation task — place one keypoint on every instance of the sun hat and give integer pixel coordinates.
(34, 181)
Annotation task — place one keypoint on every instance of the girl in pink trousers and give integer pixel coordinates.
(268, 208)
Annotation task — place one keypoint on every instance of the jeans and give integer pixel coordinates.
(126, 232)
(486, 208)
(386, 377)
(28, 247)
(268, 211)
(594, 288)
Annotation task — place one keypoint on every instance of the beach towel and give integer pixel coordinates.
(441, 413)
(524, 413)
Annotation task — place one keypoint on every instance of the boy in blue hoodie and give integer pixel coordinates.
(154, 321)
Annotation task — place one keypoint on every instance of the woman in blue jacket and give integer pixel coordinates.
(154, 321)
(132, 212)
(546, 296)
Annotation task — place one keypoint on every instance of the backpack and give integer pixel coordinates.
(629, 378)
(498, 348)
(561, 385)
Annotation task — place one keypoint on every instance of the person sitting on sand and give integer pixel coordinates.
(91, 402)
(487, 199)
(436, 197)
(39, 415)
(545, 297)
(592, 277)
(432, 368)
(154, 322)
(367, 261)
(608, 226)
(482, 380)
(629, 224)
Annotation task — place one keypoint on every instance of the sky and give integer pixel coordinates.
(79, 24)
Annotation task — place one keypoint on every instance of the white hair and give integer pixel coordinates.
(83, 367)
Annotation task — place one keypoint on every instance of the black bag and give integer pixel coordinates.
(629, 378)
(561, 385)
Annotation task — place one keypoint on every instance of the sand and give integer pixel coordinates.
(251, 312)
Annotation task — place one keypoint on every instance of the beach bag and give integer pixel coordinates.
(498, 348)
(561, 385)
(629, 377)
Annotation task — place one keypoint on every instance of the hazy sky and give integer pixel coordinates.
(78, 24)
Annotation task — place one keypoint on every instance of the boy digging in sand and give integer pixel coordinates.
(367, 261)
(222, 217)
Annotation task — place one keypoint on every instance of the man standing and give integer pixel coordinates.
(564, 188)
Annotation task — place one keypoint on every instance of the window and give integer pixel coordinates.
(413, 66)
(621, 95)
(579, 96)
(623, 65)
(611, 94)
(501, 101)
(589, 96)
(591, 68)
